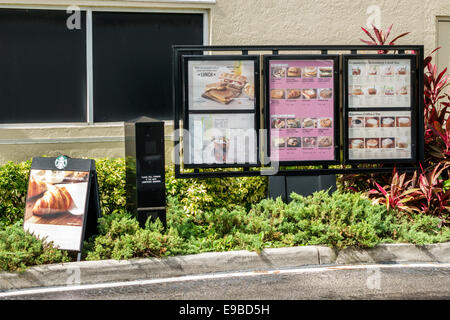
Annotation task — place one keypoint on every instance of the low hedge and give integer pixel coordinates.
(209, 215)
(338, 220)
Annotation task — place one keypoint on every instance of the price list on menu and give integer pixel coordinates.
(301, 110)
(381, 127)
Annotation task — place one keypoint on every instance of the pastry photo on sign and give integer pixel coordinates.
(56, 197)
(55, 206)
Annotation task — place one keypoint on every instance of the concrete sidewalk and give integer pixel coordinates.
(88, 272)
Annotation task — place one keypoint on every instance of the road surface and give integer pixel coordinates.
(377, 281)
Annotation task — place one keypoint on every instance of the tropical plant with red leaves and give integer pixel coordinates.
(380, 38)
(436, 110)
(436, 200)
(427, 192)
(399, 194)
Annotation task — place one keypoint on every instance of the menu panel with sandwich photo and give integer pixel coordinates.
(221, 84)
(301, 110)
(379, 135)
(379, 83)
(56, 205)
(223, 139)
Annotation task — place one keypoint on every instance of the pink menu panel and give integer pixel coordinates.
(301, 96)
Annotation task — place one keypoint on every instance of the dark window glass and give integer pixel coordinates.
(133, 62)
(43, 67)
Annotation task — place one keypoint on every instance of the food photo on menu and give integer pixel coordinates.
(325, 142)
(279, 142)
(215, 85)
(295, 72)
(325, 123)
(309, 142)
(372, 122)
(309, 94)
(372, 143)
(387, 122)
(294, 123)
(277, 94)
(278, 72)
(278, 123)
(310, 72)
(55, 205)
(326, 93)
(309, 123)
(325, 72)
(356, 122)
(403, 121)
(294, 93)
(294, 142)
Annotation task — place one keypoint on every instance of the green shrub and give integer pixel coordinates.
(121, 238)
(19, 249)
(111, 184)
(202, 195)
(13, 189)
(207, 215)
(338, 220)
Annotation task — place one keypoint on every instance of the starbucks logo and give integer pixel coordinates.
(61, 162)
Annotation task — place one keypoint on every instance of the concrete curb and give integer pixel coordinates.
(88, 272)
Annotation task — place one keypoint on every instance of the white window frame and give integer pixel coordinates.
(89, 46)
(439, 19)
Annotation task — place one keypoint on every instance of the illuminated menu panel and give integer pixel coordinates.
(301, 104)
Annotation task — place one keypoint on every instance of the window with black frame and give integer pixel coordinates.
(132, 62)
(43, 67)
(46, 64)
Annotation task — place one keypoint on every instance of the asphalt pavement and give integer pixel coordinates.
(332, 282)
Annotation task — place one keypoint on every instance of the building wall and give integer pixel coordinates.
(230, 22)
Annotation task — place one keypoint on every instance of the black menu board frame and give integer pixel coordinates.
(343, 165)
(413, 108)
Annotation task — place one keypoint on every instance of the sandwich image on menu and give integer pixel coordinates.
(294, 72)
(229, 87)
(221, 85)
(325, 72)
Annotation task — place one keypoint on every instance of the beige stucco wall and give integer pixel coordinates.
(230, 22)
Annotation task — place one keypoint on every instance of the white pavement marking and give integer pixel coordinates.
(218, 276)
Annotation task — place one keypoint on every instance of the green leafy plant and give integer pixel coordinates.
(19, 249)
(13, 189)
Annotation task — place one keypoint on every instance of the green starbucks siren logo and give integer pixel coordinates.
(61, 162)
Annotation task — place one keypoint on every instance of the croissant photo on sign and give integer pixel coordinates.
(56, 205)
(56, 197)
